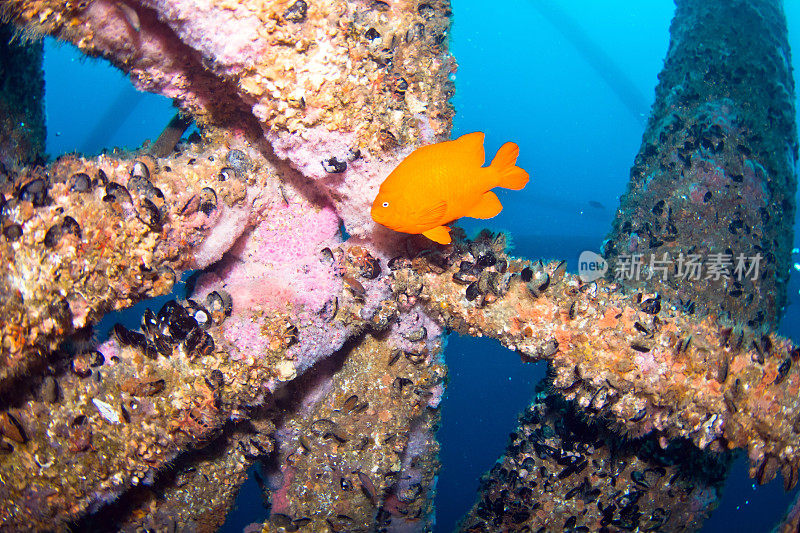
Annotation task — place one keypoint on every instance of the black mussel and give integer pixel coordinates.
(12, 428)
(296, 12)
(101, 179)
(127, 337)
(639, 478)
(141, 186)
(192, 340)
(370, 267)
(140, 170)
(353, 154)
(96, 358)
(282, 521)
(12, 232)
(397, 262)
(149, 322)
(150, 215)
(486, 259)
(539, 283)
(400, 382)
(59, 310)
(526, 274)
(651, 306)
(162, 344)
(117, 193)
(795, 353)
(169, 309)
(766, 343)
(180, 324)
(502, 266)
(559, 271)
(330, 309)
(80, 182)
(333, 165)
(216, 378)
(473, 291)
(783, 370)
(238, 160)
(71, 226)
(416, 32)
(464, 277)
(416, 357)
(326, 256)
(219, 301)
(208, 200)
(206, 346)
(151, 351)
(639, 415)
(349, 404)
(401, 86)
(53, 236)
(658, 209)
(34, 192)
(367, 486)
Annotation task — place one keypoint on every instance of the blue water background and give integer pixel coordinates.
(572, 85)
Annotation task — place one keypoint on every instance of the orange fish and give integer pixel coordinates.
(438, 183)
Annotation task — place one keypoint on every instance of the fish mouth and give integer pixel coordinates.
(376, 216)
(380, 217)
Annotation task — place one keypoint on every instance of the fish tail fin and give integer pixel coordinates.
(510, 176)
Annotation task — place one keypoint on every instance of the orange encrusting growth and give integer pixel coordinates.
(442, 182)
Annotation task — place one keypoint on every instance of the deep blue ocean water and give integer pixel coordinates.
(571, 82)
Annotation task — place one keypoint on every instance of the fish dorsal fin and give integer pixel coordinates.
(432, 215)
(470, 149)
(440, 234)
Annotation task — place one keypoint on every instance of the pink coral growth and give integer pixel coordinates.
(351, 191)
(226, 34)
(277, 262)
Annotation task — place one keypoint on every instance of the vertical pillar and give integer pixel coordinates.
(711, 192)
(22, 124)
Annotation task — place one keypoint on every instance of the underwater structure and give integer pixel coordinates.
(712, 187)
(320, 350)
(22, 132)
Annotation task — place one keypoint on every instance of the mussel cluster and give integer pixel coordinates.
(178, 325)
(484, 269)
(587, 480)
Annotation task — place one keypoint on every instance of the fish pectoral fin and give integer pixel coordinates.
(432, 215)
(487, 207)
(440, 234)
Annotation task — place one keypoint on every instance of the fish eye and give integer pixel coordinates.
(385, 204)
